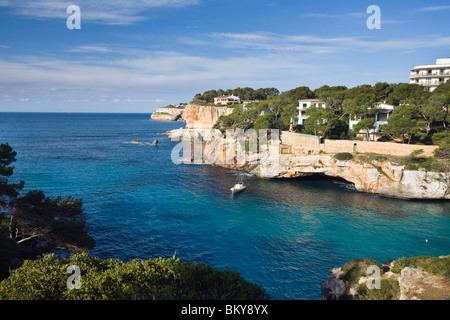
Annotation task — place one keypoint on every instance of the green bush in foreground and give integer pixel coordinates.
(112, 279)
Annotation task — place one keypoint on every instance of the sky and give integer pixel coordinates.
(137, 55)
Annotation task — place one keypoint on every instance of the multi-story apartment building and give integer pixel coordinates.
(431, 76)
(381, 118)
(305, 104)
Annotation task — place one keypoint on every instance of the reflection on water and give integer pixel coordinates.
(316, 191)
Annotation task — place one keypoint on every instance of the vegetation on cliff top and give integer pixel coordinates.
(389, 289)
(243, 93)
(420, 116)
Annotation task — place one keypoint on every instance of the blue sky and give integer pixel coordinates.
(136, 55)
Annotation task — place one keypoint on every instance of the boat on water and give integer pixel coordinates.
(238, 187)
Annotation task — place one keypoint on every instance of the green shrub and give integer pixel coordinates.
(356, 269)
(343, 156)
(441, 138)
(443, 152)
(389, 290)
(434, 265)
(112, 279)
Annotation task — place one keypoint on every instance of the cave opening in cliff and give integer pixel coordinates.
(325, 179)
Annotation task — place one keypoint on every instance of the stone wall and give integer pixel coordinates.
(386, 148)
(300, 143)
(307, 144)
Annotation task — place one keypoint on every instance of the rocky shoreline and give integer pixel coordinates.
(368, 173)
(418, 278)
(168, 114)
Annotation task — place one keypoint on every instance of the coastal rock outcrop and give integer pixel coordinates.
(416, 284)
(168, 114)
(371, 176)
(367, 175)
(417, 278)
(368, 172)
(334, 287)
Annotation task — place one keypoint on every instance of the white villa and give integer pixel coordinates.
(431, 76)
(305, 104)
(224, 100)
(381, 118)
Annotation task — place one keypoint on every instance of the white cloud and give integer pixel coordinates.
(434, 8)
(100, 11)
(333, 16)
(323, 45)
(268, 59)
(134, 100)
(260, 59)
(138, 80)
(243, 36)
(90, 48)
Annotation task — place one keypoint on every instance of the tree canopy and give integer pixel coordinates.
(243, 93)
(421, 114)
(32, 223)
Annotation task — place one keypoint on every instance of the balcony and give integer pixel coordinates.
(429, 75)
(431, 84)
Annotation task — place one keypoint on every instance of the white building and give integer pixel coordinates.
(431, 76)
(381, 118)
(230, 99)
(305, 104)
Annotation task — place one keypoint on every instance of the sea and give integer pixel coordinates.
(283, 234)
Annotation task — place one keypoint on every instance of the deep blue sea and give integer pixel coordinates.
(284, 235)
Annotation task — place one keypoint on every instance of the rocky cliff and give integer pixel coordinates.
(418, 278)
(202, 117)
(368, 173)
(167, 114)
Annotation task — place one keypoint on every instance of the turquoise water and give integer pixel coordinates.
(282, 234)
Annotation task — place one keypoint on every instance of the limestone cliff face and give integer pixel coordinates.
(371, 176)
(167, 114)
(377, 177)
(201, 117)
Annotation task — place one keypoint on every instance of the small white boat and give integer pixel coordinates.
(238, 187)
